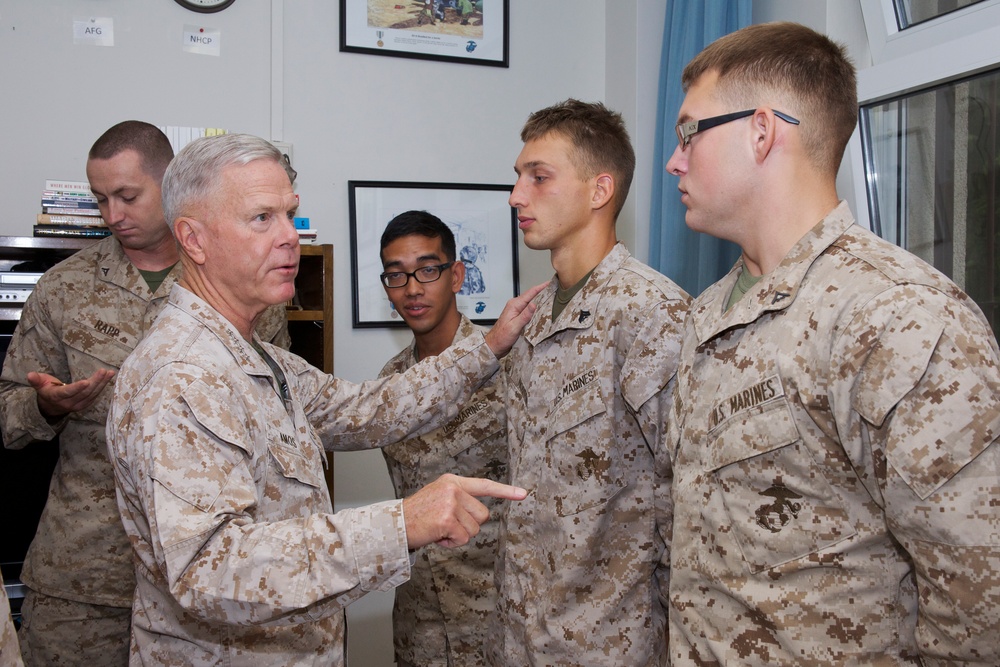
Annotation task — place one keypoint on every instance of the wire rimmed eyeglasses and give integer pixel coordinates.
(425, 274)
(688, 129)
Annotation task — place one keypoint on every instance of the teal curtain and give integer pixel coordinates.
(694, 261)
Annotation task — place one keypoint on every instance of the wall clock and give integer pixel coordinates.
(205, 6)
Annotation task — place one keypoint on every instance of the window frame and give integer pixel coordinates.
(950, 47)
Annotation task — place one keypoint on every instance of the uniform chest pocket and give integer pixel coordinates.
(292, 463)
(477, 421)
(780, 505)
(96, 347)
(89, 349)
(582, 465)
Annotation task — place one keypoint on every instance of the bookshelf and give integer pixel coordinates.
(310, 319)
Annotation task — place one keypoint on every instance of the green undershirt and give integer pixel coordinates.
(564, 296)
(155, 278)
(743, 284)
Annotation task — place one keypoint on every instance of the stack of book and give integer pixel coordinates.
(69, 208)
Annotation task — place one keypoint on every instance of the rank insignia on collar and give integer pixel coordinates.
(584, 314)
(105, 270)
(779, 296)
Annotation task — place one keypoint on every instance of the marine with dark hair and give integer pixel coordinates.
(441, 614)
(582, 571)
(81, 321)
(837, 409)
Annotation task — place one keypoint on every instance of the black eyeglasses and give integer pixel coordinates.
(692, 127)
(425, 274)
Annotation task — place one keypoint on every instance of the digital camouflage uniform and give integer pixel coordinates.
(441, 614)
(87, 312)
(10, 653)
(220, 486)
(583, 566)
(836, 476)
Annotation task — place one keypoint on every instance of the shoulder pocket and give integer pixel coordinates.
(208, 461)
(936, 403)
(896, 363)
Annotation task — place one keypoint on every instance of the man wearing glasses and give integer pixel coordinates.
(837, 409)
(440, 615)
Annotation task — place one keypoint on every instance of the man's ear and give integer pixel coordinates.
(457, 276)
(190, 237)
(604, 190)
(764, 132)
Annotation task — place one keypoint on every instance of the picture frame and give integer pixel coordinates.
(485, 228)
(443, 30)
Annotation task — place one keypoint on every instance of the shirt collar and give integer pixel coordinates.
(777, 290)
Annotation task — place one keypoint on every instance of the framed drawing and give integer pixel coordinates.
(460, 31)
(485, 240)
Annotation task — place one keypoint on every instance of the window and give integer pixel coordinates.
(931, 162)
(912, 12)
(928, 139)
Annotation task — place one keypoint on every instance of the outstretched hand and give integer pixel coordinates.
(514, 317)
(446, 510)
(56, 399)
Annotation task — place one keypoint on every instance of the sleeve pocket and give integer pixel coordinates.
(896, 363)
(208, 462)
(936, 406)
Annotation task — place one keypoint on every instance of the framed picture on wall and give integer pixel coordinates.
(461, 31)
(485, 231)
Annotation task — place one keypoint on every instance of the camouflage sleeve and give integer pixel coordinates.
(381, 412)
(648, 378)
(197, 481)
(928, 394)
(35, 347)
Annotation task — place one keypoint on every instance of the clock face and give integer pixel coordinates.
(205, 6)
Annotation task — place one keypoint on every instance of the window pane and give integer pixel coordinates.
(931, 164)
(911, 12)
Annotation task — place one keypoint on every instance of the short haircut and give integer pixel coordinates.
(793, 66)
(145, 139)
(599, 137)
(197, 170)
(423, 224)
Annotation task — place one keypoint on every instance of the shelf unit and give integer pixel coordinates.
(17, 249)
(310, 320)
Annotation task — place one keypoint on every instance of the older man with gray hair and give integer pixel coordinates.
(217, 440)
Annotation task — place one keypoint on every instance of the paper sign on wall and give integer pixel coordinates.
(205, 41)
(94, 31)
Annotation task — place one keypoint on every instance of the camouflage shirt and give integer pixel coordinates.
(221, 490)
(86, 313)
(582, 571)
(10, 653)
(836, 465)
(441, 613)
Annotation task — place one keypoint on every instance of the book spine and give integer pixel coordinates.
(70, 186)
(66, 210)
(78, 232)
(78, 220)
